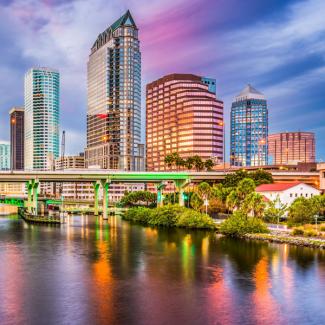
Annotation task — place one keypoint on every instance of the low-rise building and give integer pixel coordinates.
(321, 169)
(287, 192)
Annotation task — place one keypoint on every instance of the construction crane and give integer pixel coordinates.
(62, 149)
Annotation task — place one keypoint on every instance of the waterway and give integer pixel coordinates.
(90, 271)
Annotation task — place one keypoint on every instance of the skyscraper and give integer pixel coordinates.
(4, 156)
(114, 98)
(291, 147)
(41, 117)
(249, 128)
(17, 138)
(183, 115)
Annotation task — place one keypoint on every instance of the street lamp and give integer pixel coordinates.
(222, 123)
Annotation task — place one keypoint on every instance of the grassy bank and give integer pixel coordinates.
(169, 216)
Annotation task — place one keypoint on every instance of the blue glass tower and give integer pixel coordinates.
(41, 118)
(249, 129)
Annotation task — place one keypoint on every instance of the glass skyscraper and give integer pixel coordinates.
(249, 129)
(114, 99)
(4, 156)
(41, 118)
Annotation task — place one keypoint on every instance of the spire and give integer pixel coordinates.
(249, 92)
(125, 20)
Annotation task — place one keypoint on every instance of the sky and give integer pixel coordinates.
(278, 46)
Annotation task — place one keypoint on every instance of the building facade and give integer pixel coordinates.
(4, 156)
(114, 99)
(286, 193)
(183, 115)
(70, 162)
(17, 138)
(41, 118)
(249, 129)
(291, 148)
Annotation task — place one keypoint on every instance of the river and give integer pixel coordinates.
(90, 271)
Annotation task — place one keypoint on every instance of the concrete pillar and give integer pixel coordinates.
(160, 188)
(30, 195)
(105, 184)
(35, 195)
(96, 191)
(180, 185)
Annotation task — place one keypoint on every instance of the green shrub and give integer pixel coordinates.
(138, 214)
(322, 227)
(165, 216)
(297, 232)
(238, 225)
(311, 233)
(194, 219)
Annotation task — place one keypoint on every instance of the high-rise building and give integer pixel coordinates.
(291, 147)
(114, 98)
(4, 156)
(183, 115)
(17, 138)
(41, 118)
(249, 128)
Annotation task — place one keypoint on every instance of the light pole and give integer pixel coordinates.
(222, 123)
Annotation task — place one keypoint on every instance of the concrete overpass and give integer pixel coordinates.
(103, 178)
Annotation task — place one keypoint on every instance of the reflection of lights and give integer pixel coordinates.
(205, 249)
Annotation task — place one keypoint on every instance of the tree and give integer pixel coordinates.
(189, 162)
(179, 162)
(275, 211)
(261, 177)
(169, 160)
(254, 204)
(198, 163)
(232, 201)
(232, 180)
(196, 202)
(204, 190)
(208, 164)
(302, 211)
(245, 187)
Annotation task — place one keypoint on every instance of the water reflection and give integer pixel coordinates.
(91, 271)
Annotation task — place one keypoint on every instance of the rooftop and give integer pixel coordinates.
(276, 187)
(249, 92)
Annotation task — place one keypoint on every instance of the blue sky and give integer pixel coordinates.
(277, 46)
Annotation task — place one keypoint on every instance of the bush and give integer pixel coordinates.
(297, 232)
(238, 225)
(169, 216)
(138, 214)
(322, 227)
(311, 233)
(195, 219)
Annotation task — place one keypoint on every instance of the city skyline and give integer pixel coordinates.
(210, 47)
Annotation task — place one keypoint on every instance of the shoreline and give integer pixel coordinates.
(298, 241)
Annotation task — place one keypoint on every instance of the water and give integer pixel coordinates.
(94, 272)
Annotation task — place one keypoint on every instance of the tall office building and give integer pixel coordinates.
(249, 129)
(4, 156)
(291, 147)
(184, 116)
(114, 98)
(17, 138)
(41, 118)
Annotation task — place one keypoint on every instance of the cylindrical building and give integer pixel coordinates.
(183, 115)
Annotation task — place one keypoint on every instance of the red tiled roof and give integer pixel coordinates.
(276, 187)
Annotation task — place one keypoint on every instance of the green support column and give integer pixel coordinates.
(180, 185)
(96, 190)
(35, 195)
(105, 185)
(160, 188)
(30, 195)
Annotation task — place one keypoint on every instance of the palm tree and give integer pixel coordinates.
(189, 163)
(254, 203)
(198, 163)
(232, 201)
(169, 160)
(208, 164)
(204, 190)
